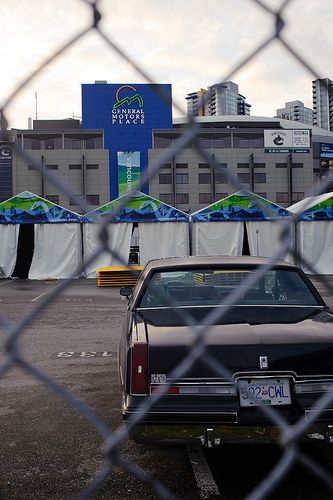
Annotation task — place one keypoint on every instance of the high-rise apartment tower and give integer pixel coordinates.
(218, 100)
(322, 98)
(296, 111)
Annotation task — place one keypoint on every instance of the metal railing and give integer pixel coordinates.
(290, 434)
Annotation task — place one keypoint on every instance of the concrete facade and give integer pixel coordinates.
(191, 182)
(76, 155)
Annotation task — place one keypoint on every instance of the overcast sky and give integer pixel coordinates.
(188, 43)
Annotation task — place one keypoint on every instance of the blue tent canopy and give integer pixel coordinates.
(240, 206)
(137, 207)
(314, 207)
(29, 208)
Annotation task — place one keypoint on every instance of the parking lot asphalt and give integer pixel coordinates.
(48, 450)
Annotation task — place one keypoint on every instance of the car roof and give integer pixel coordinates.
(218, 260)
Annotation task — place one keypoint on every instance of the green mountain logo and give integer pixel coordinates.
(128, 101)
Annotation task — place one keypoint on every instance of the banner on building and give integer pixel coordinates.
(326, 150)
(128, 171)
(6, 181)
(287, 141)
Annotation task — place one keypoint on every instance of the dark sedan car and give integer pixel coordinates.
(275, 343)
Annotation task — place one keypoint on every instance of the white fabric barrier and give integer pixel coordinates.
(57, 252)
(162, 239)
(264, 238)
(217, 238)
(119, 237)
(315, 245)
(8, 248)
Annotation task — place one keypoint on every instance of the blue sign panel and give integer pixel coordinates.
(6, 177)
(128, 113)
(326, 150)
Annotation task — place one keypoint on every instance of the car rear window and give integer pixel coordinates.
(195, 287)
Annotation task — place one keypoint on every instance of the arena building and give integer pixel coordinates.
(280, 160)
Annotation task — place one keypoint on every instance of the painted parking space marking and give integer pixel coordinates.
(202, 473)
(6, 282)
(45, 293)
(85, 354)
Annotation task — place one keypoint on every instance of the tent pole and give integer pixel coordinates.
(82, 250)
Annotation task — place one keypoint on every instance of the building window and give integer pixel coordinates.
(220, 196)
(263, 195)
(181, 178)
(243, 177)
(51, 167)
(220, 166)
(257, 142)
(259, 177)
(243, 165)
(92, 166)
(219, 143)
(182, 198)
(221, 177)
(166, 198)
(36, 144)
(297, 196)
(91, 143)
(74, 203)
(204, 178)
(205, 198)
(181, 165)
(92, 199)
(75, 167)
(54, 198)
(204, 165)
(280, 165)
(165, 178)
(203, 142)
(282, 197)
(26, 143)
(49, 144)
(76, 144)
(162, 142)
(72, 143)
(32, 167)
(297, 165)
(243, 143)
(166, 165)
(259, 165)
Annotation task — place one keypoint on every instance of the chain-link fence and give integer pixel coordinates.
(290, 434)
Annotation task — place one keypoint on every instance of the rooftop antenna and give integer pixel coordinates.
(36, 103)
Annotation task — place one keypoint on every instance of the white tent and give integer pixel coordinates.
(57, 247)
(162, 231)
(314, 233)
(224, 235)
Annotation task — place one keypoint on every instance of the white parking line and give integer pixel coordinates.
(203, 476)
(6, 282)
(45, 293)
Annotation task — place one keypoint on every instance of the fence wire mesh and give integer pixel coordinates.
(13, 331)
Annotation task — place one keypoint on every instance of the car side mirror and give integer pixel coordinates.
(126, 291)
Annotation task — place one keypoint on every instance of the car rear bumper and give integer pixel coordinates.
(210, 435)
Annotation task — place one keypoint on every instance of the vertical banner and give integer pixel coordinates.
(6, 176)
(128, 171)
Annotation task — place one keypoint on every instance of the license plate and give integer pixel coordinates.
(264, 391)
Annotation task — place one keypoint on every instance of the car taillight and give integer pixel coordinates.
(155, 389)
(139, 371)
